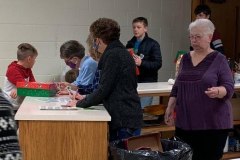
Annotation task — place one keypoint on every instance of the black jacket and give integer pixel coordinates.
(117, 88)
(152, 60)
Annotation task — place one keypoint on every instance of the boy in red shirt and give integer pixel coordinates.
(19, 71)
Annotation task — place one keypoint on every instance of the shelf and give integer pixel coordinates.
(164, 127)
(156, 129)
(230, 155)
(236, 122)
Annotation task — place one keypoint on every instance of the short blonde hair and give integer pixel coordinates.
(206, 24)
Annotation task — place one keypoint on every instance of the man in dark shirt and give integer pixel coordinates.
(203, 11)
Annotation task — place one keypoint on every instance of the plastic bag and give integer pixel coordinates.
(172, 150)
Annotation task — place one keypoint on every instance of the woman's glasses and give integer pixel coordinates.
(195, 37)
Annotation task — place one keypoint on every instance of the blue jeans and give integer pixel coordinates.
(146, 101)
(123, 133)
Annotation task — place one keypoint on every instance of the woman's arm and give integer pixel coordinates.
(169, 114)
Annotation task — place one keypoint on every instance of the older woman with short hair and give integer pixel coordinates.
(200, 96)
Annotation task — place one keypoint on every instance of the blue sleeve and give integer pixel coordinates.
(86, 74)
(87, 89)
(106, 84)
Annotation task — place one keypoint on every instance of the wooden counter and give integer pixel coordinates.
(61, 134)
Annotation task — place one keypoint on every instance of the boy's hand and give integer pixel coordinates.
(13, 94)
(63, 85)
(137, 59)
(62, 92)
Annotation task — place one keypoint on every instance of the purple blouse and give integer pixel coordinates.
(194, 109)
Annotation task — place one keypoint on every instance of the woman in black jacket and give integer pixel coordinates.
(117, 88)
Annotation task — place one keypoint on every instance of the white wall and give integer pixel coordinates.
(48, 23)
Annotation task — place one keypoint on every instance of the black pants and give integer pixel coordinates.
(206, 144)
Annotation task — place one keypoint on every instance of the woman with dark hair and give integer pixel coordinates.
(117, 88)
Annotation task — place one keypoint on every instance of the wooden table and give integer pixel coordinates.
(62, 134)
(154, 89)
(161, 89)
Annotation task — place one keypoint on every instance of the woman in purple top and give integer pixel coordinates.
(200, 96)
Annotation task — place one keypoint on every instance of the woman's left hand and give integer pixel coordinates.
(212, 92)
(72, 103)
(79, 96)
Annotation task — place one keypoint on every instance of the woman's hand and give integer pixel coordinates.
(72, 103)
(212, 92)
(79, 96)
(169, 116)
(216, 92)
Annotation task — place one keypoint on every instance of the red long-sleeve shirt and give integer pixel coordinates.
(18, 73)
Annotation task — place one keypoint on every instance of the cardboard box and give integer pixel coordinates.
(36, 89)
(36, 85)
(145, 142)
(236, 108)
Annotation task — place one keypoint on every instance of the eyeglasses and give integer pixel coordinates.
(195, 37)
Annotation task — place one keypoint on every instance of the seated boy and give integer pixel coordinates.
(19, 71)
(73, 53)
(71, 75)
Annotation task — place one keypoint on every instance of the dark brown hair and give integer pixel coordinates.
(106, 29)
(72, 48)
(141, 19)
(202, 8)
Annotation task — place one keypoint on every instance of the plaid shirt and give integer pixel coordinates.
(87, 89)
